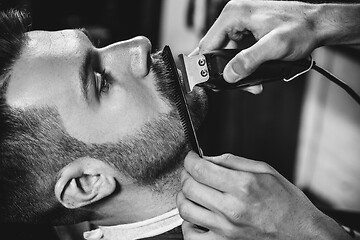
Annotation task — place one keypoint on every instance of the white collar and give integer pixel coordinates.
(147, 228)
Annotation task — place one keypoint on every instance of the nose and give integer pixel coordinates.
(139, 52)
(132, 56)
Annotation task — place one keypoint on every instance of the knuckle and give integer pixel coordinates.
(248, 182)
(247, 60)
(227, 157)
(229, 6)
(184, 210)
(204, 44)
(188, 187)
(237, 6)
(234, 216)
(234, 219)
(199, 170)
(233, 210)
(266, 168)
(281, 39)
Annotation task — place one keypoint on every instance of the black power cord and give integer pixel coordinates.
(346, 218)
(337, 81)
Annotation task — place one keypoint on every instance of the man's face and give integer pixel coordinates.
(103, 95)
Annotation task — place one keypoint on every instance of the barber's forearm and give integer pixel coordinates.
(338, 24)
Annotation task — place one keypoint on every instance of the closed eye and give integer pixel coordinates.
(102, 82)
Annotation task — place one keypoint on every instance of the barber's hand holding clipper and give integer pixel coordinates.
(284, 31)
(229, 197)
(237, 198)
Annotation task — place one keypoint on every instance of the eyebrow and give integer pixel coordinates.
(84, 74)
(94, 42)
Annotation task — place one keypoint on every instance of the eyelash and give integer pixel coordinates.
(103, 83)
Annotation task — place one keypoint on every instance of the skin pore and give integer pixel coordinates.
(113, 100)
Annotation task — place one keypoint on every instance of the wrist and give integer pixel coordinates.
(337, 24)
(326, 228)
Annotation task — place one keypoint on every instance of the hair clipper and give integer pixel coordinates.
(206, 70)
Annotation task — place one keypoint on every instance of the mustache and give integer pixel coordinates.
(160, 67)
(164, 77)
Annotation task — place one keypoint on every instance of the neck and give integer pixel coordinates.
(134, 203)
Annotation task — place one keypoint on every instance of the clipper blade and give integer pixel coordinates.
(194, 71)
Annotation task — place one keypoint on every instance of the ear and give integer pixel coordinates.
(84, 181)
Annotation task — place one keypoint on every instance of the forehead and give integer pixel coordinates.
(53, 43)
(46, 60)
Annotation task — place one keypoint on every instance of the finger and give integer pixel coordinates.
(227, 27)
(248, 60)
(189, 227)
(193, 232)
(197, 214)
(203, 195)
(215, 38)
(242, 164)
(223, 204)
(254, 89)
(210, 174)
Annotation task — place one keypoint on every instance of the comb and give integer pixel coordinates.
(180, 101)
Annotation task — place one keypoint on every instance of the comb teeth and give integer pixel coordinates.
(180, 101)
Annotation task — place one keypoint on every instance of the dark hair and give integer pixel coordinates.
(33, 145)
(13, 26)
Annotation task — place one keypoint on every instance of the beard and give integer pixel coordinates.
(148, 156)
(157, 150)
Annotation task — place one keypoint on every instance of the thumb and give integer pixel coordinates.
(248, 60)
(239, 67)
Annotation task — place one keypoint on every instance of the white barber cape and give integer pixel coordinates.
(144, 229)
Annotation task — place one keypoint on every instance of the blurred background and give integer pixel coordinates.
(307, 129)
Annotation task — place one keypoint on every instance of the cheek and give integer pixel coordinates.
(121, 112)
(130, 108)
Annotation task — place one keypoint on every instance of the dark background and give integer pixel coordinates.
(261, 127)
